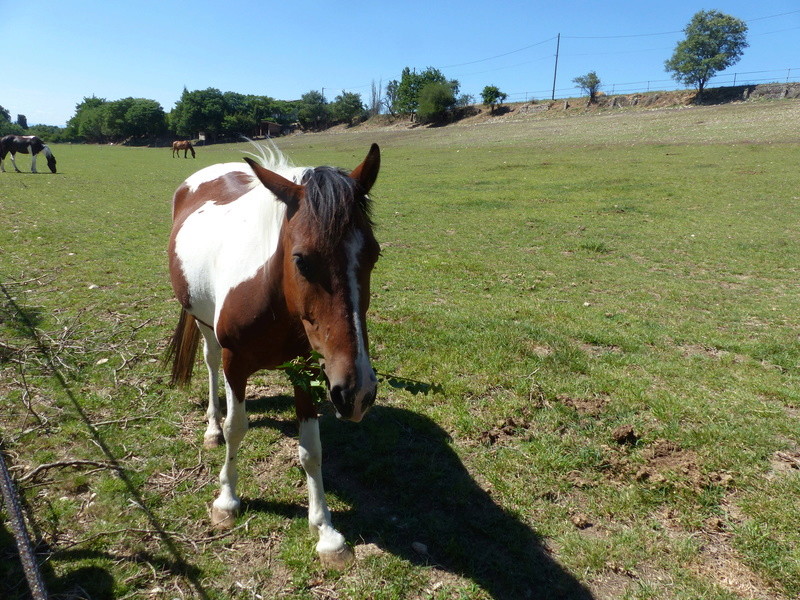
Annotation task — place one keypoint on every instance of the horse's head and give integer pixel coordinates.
(328, 251)
(51, 160)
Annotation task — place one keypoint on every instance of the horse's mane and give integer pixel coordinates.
(333, 199)
(335, 203)
(271, 157)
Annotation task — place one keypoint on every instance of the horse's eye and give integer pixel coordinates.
(303, 265)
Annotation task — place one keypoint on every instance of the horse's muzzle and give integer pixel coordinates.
(352, 404)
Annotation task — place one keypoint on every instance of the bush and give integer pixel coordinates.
(435, 100)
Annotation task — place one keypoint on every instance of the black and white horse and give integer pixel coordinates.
(25, 144)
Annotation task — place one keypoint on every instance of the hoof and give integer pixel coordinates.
(215, 440)
(222, 519)
(338, 559)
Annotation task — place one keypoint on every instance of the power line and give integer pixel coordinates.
(791, 12)
(499, 55)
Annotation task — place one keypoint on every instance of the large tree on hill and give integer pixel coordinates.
(714, 41)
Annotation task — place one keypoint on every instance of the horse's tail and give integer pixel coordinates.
(182, 349)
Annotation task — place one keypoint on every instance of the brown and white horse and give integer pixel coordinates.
(25, 144)
(184, 145)
(269, 263)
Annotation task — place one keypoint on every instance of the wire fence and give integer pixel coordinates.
(666, 85)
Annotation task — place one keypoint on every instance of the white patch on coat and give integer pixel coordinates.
(222, 245)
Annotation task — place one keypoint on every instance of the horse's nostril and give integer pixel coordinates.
(339, 400)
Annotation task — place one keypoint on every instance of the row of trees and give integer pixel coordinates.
(428, 96)
(218, 114)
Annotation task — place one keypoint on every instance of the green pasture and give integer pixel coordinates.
(610, 302)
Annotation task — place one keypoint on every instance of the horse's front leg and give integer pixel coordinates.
(33, 163)
(226, 506)
(332, 549)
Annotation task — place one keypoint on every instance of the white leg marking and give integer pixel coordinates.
(212, 353)
(331, 546)
(227, 503)
(14, 162)
(33, 163)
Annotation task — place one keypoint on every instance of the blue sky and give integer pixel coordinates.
(55, 53)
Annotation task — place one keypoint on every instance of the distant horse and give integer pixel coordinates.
(185, 145)
(25, 144)
(269, 263)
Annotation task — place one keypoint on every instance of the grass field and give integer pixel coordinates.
(610, 302)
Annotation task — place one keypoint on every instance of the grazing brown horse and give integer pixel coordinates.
(271, 262)
(184, 145)
(25, 144)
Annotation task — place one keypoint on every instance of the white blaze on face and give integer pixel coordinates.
(366, 376)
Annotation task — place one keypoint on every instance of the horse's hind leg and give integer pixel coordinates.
(212, 353)
(332, 549)
(226, 506)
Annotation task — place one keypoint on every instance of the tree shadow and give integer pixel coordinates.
(20, 319)
(26, 320)
(84, 582)
(407, 485)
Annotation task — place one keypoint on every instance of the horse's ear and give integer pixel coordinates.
(367, 172)
(286, 191)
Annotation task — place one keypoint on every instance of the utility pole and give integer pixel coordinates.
(555, 70)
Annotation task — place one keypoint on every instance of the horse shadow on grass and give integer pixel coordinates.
(406, 485)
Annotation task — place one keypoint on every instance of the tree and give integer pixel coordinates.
(87, 122)
(113, 124)
(198, 110)
(374, 107)
(492, 95)
(313, 110)
(435, 100)
(714, 41)
(145, 118)
(22, 121)
(589, 83)
(411, 84)
(347, 107)
(390, 98)
(465, 100)
(6, 126)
